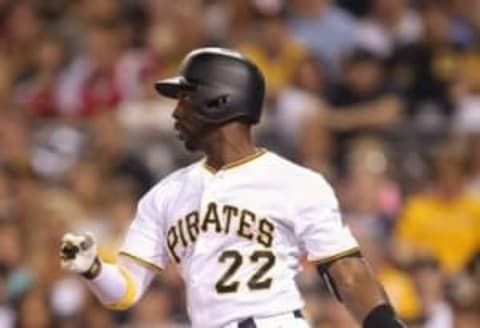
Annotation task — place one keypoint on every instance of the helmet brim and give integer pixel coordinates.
(172, 87)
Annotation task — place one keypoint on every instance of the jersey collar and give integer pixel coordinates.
(259, 152)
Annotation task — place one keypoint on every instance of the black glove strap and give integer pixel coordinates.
(382, 316)
(94, 269)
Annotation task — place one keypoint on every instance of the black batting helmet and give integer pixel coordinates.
(225, 85)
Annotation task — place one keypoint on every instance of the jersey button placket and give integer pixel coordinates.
(209, 195)
(216, 185)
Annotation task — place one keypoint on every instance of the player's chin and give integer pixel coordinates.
(193, 140)
(191, 144)
(187, 140)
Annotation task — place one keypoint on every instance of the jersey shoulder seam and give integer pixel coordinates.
(299, 170)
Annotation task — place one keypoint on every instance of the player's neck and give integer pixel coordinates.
(231, 143)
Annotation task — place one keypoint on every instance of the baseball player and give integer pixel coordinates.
(236, 222)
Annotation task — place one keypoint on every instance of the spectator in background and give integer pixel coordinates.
(38, 95)
(473, 166)
(371, 196)
(118, 201)
(7, 314)
(187, 19)
(191, 30)
(18, 277)
(6, 197)
(147, 123)
(315, 145)
(161, 48)
(363, 101)
(219, 21)
(56, 212)
(98, 81)
(15, 139)
(6, 85)
(466, 317)
(147, 128)
(473, 268)
(72, 18)
(464, 297)
(24, 28)
(442, 216)
(325, 29)
(72, 307)
(101, 11)
(147, 115)
(431, 284)
(390, 23)
(464, 92)
(465, 22)
(357, 7)
(310, 76)
(425, 69)
(275, 51)
(33, 310)
(243, 18)
(84, 181)
(110, 148)
(26, 189)
(299, 105)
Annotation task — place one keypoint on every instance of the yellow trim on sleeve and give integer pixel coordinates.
(129, 297)
(336, 256)
(148, 264)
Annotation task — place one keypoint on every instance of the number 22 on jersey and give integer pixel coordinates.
(259, 280)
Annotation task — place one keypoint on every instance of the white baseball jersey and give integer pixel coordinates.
(238, 234)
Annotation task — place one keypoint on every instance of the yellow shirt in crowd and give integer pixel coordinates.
(446, 229)
(401, 290)
(279, 71)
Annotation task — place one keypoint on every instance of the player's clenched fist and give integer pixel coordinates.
(78, 253)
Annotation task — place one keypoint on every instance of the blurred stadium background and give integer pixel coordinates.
(381, 96)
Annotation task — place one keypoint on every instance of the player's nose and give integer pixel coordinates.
(176, 112)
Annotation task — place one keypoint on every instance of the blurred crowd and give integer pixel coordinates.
(380, 96)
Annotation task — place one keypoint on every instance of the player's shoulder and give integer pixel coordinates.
(304, 185)
(170, 184)
(294, 172)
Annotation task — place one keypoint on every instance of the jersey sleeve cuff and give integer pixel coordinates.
(332, 258)
(145, 263)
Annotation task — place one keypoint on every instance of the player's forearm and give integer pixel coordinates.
(114, 286)
(359, 291)
(119, 286)
(363, 296)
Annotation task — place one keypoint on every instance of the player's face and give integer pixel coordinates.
(189, 129)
